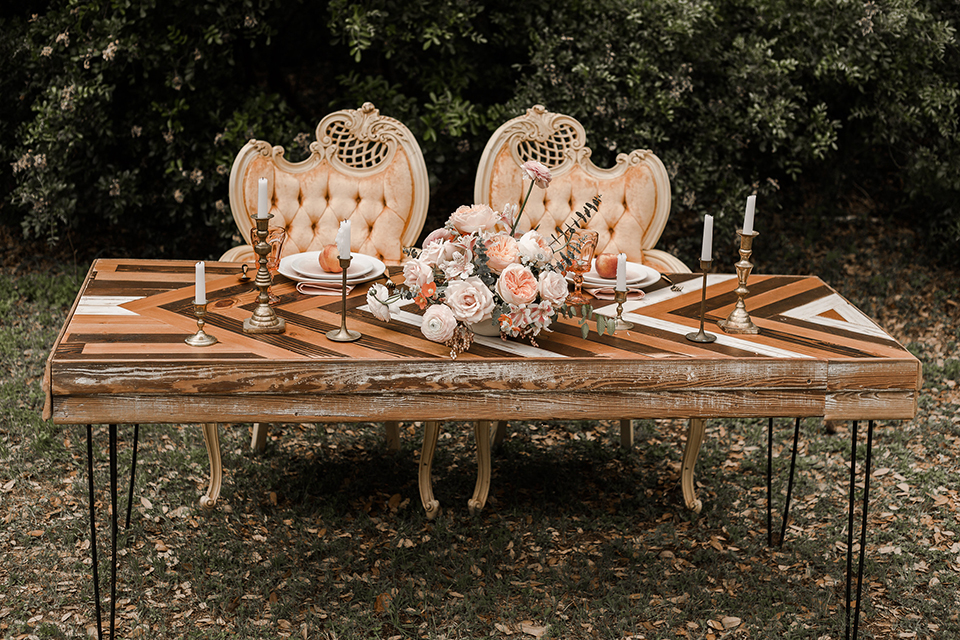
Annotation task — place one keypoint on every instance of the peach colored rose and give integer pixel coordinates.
(438, 323)
(534, 247)
(469, 299)
(417, 273)
(552, 287)
(517, 285)
(475, 217)
(501, 251)
(538, 173)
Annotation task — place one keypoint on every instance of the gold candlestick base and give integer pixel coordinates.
(703, 336)
(200, 339)
(620, 297)
(739, 320)
(264, 319)
(343, 334)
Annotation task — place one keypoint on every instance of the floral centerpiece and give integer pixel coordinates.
(475, 274)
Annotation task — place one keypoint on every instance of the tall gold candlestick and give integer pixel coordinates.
(343, 334)
(739, 320)
(703, 336)
(264, 319)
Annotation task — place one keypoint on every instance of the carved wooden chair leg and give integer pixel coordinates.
(482, 430)
(498, 432)
(211, 437)
(695, 430)
(626, 433)
(392, 429)
(259, 440)
(431, 431)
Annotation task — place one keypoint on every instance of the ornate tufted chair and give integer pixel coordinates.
(363, 167)
(636, 190)
(636, 194)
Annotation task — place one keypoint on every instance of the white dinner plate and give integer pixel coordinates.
(308, 266)
(638, 275)
(375, 269)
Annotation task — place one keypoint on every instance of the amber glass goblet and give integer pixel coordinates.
(580, 250)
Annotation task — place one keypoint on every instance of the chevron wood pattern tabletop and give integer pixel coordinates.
(121, 358)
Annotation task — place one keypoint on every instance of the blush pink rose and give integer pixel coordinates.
(439, 323)
(552, 287)
(538, 173)
(438, 235)
(417, 273)
(502, 250)
(474, 217)
(517, 285)
(470, 300)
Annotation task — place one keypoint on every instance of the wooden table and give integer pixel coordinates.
(121, 358)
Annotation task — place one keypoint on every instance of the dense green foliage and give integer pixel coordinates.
(125, 116)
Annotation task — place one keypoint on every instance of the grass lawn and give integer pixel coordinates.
(323, 535)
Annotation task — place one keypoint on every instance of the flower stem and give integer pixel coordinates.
(516, 220)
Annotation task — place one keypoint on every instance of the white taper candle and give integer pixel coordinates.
(201, 284)
(707, 251)
(263, 201)
(622, 272)
(343, 240)
(748, 215)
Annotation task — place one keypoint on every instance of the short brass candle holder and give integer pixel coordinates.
(343, 334)
(739, 320)
(200, 338)
(703, 336)
(620, 297)
(264, 319)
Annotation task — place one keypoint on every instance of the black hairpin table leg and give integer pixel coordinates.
(863, 525)
(793, 466)
(113, 529)
(93, 531)
(133, 472)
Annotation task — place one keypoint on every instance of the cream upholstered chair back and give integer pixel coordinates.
(363, 167)
(635, 191)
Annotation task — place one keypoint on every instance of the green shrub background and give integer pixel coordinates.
(120, 120)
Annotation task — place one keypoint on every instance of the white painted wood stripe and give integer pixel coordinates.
(853, 319)
(722, 338)
(105, 306)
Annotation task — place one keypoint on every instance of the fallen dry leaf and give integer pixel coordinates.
(531, 629)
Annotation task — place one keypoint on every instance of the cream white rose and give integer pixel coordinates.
(439, 323)
(534, 247)
(469, 299)
(553, 287)
(378, 301)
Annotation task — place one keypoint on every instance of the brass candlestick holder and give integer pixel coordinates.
(739, 320)
(620, 297)
(343, 334)
(200, 339)
(264, 319)
(702, 336)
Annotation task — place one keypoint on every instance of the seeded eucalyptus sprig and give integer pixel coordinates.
(562, 241)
